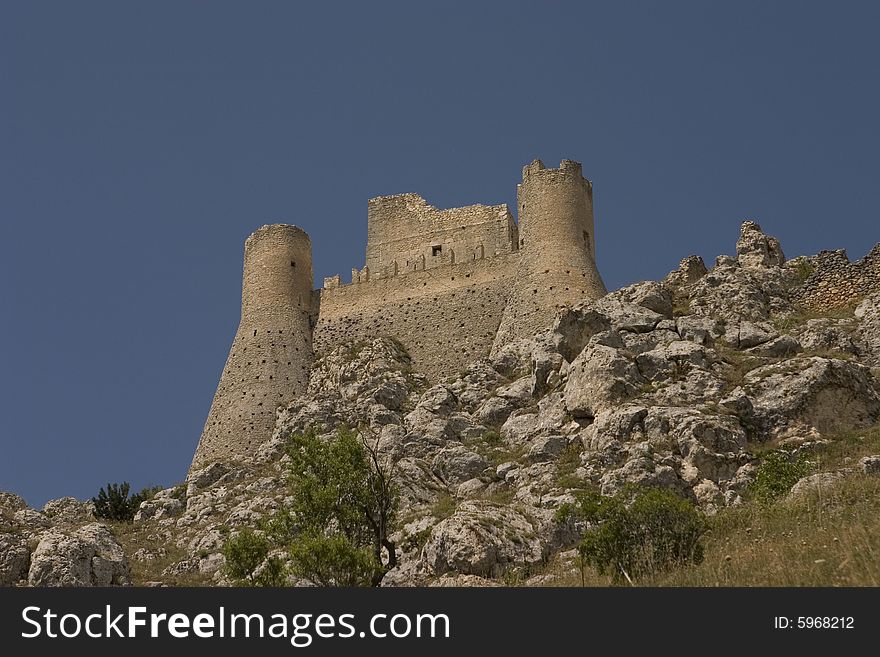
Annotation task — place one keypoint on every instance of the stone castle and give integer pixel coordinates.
(450, 285)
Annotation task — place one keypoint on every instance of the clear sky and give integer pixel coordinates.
(140, 143)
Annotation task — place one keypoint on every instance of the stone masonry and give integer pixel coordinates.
(450, 285)
(835, 281)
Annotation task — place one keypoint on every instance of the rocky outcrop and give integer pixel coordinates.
(663, 384)
(485, 539)
(89, 556)
(813, 395)
(15, 559)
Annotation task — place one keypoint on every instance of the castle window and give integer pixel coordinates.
(292, 263)
(436, 250)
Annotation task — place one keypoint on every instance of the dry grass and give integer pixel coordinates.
(829, 541)
(133, 537)
(785, 323)
(832, 539)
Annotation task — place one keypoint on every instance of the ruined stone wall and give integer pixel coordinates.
(405, 233)
(445, 317)
(557, 245)
(270, 357)
(835, 281)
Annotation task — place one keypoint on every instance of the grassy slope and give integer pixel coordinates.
(831, 539)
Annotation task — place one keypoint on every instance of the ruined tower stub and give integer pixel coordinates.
(557, 265)
(271, 355)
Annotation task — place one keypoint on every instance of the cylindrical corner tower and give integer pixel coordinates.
(271, 355)
(557, 264)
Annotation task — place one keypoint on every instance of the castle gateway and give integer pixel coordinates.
(450, 285)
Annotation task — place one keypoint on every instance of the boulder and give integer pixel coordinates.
(814, 485)
(484, 539)
(89, 556)
(822, 394)
(599, 378)
(457, 464)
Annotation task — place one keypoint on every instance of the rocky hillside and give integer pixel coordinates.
(680, 384)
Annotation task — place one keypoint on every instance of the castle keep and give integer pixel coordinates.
(450, 285)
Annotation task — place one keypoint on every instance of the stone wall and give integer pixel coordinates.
(405, 233)
(270, 357)
(445, 317)
(835, 281)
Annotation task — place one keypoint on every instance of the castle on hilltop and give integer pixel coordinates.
(451, 285)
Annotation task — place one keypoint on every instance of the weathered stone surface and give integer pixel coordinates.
(457, 464)
(870, 465)
(626, 316)
(483, 539)
(15, 558)
(89, 556)
(10, 502)
(814, 485)
(600, 377)
(69, 510)
(162, 505)
(821, 394)
(755, 249)
(689, 271)
(868, 315)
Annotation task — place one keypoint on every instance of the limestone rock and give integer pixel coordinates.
(163, 504)
(89, 556)
(648, 294)
(815, 484)
(483, 539)
(868, 314)
(815, 393)
(457, 464)
(627, 316)
(10, 502)
(575, 326)
(870, 465)
(755, 249)
(600, 377)
(494, 411)
(689, 271)
(69, 510)
(519, 427)
(828, 335)
(15, 558)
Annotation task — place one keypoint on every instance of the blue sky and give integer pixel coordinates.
(140, 143)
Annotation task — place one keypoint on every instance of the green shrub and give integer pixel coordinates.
(248, 562)
(655, 531)
(333, 559)
(491, 437)
(115, 503)
(778, 472)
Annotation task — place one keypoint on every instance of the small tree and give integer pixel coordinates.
(115, 504)
(344, 506)
(638, 534)
(336, 529)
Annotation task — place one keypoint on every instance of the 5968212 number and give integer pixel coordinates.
(825, 622)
